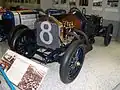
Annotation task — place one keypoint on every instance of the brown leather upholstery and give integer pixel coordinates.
(72, 18)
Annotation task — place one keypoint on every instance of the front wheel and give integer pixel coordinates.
(13, 31)
(108, 35)
(24, 43)
(72, 61)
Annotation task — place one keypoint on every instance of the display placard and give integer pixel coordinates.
(24, 73)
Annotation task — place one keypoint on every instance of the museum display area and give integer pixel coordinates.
(59, 44)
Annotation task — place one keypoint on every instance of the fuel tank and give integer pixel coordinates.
(25, 17)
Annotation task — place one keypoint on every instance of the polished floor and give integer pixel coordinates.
(101, 70)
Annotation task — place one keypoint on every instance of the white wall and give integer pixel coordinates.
(45, 4)
(27, 5)
(108, 14)
(113, 15)
(1, 2)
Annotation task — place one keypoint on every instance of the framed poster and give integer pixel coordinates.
(63, 1)
(83, 2)
(112, 3)
(97, 3)
(112, 6)
(72, 2)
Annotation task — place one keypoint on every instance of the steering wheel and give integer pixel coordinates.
(55, 11)
(74, 9)
(84, 11)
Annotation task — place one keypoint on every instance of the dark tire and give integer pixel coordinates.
(108, 35)
(24, 43)
(13, 31)
(69, 68)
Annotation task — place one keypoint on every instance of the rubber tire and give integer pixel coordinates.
(66, 59)
(14, 38)
(108, 31)
(17, 35)
(13, 32)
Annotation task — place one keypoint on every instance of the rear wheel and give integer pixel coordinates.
(72, 62)
(108, 35)
(13, 31)
(24, 43)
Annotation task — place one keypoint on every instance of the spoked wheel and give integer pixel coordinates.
(13, 31)
(72, 62)
(108, 35)
(24, 43)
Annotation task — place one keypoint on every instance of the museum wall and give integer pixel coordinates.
(44, 4)
(25, 3)
(1, 2)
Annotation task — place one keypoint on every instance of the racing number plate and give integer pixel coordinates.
(48, 34)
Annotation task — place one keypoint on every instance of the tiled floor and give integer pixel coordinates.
(3, 85)
(101, 70)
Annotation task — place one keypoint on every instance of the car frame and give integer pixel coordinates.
(66, 42)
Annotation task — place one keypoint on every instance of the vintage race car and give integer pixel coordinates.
(10, 19)
(16, 16)
(2, 10)
(62, 38)
(94, 24)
